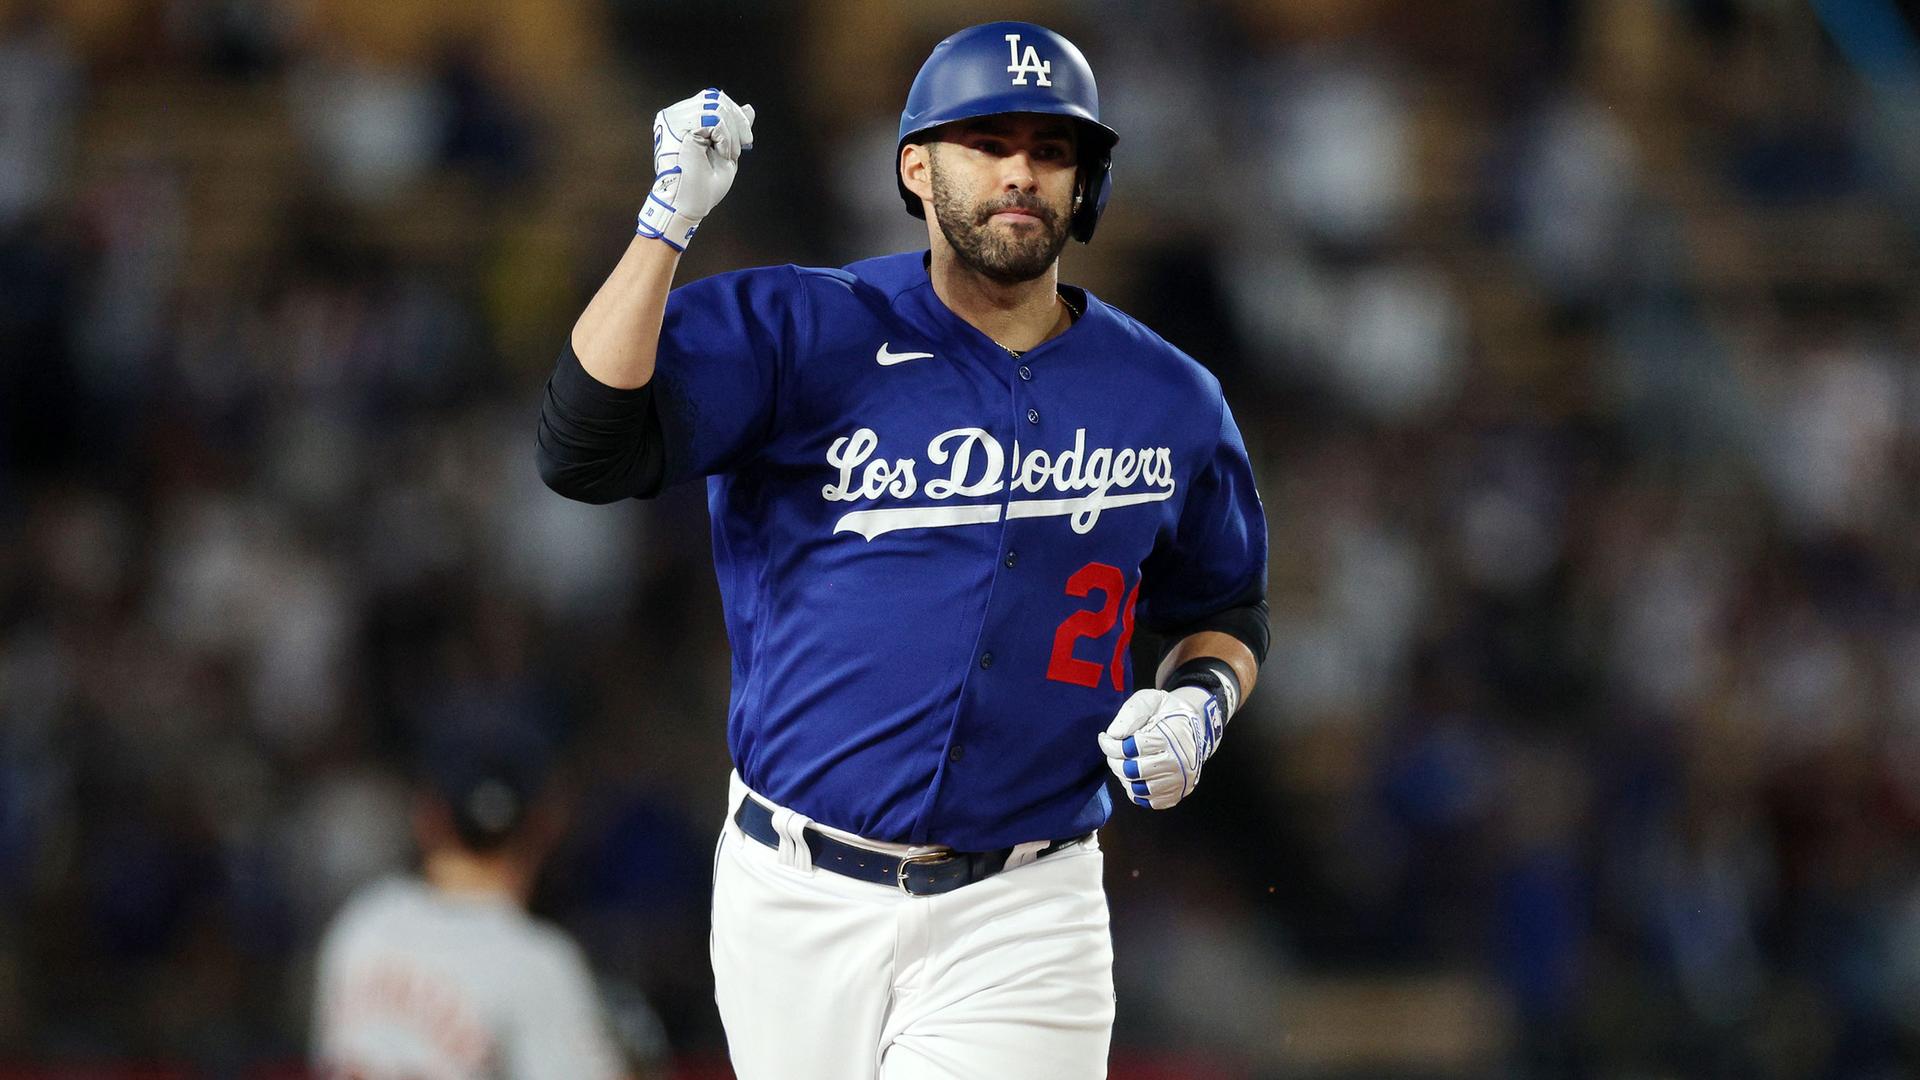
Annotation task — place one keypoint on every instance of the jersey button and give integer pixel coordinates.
(1012, 557)
(1033, 416)
(956, 753)
(1026, 373)
(986, 660)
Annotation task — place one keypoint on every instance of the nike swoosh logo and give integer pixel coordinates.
(888, 359)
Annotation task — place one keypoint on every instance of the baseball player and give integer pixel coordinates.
(944, 489)
(446, 977)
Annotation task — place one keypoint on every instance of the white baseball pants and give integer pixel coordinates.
(821, 976)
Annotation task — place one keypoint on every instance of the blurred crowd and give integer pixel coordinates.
(1574, 341)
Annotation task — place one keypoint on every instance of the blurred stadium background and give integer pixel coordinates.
(1576, 342)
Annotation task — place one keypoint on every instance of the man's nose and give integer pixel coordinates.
(1016, 171)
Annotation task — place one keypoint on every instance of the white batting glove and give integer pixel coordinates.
(697, 145)
(1158, 741)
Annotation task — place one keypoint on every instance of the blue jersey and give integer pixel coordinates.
(933, 555)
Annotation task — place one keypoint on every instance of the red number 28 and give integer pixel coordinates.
(1094, 623)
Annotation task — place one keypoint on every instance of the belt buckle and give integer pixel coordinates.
(931, 858)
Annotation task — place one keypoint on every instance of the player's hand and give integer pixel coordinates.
(697, 145)
(1158, 741)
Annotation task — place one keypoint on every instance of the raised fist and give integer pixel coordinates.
(697, 145)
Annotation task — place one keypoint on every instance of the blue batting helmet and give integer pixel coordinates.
(1013, 67)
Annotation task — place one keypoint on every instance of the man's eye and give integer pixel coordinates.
(990, 146)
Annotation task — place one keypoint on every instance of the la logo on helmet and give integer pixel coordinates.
(1020, 66)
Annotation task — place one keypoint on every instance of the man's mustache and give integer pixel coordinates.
(1028, 204)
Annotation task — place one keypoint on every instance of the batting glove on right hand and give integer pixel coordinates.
(697, 145)
(1158, 741)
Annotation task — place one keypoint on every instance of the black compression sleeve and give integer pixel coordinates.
(595, 443)
(1247, 622)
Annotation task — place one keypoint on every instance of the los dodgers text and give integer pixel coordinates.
(971, 463)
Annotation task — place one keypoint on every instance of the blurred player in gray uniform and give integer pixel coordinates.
(445, 975)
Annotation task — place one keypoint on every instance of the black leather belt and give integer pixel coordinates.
(925, 874)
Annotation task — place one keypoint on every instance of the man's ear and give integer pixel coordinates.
(916, 169)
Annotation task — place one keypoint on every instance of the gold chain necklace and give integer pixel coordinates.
(1064, 302)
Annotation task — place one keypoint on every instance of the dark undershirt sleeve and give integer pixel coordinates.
(595, 443)
(1247, 622)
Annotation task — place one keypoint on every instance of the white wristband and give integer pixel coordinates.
(660, 221)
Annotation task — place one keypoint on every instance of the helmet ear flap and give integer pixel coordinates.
(1090, 198)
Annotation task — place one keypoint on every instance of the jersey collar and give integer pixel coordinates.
(908, 287)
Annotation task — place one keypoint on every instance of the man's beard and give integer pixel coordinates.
(1007, 256)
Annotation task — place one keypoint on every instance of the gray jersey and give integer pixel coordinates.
(417, 984)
